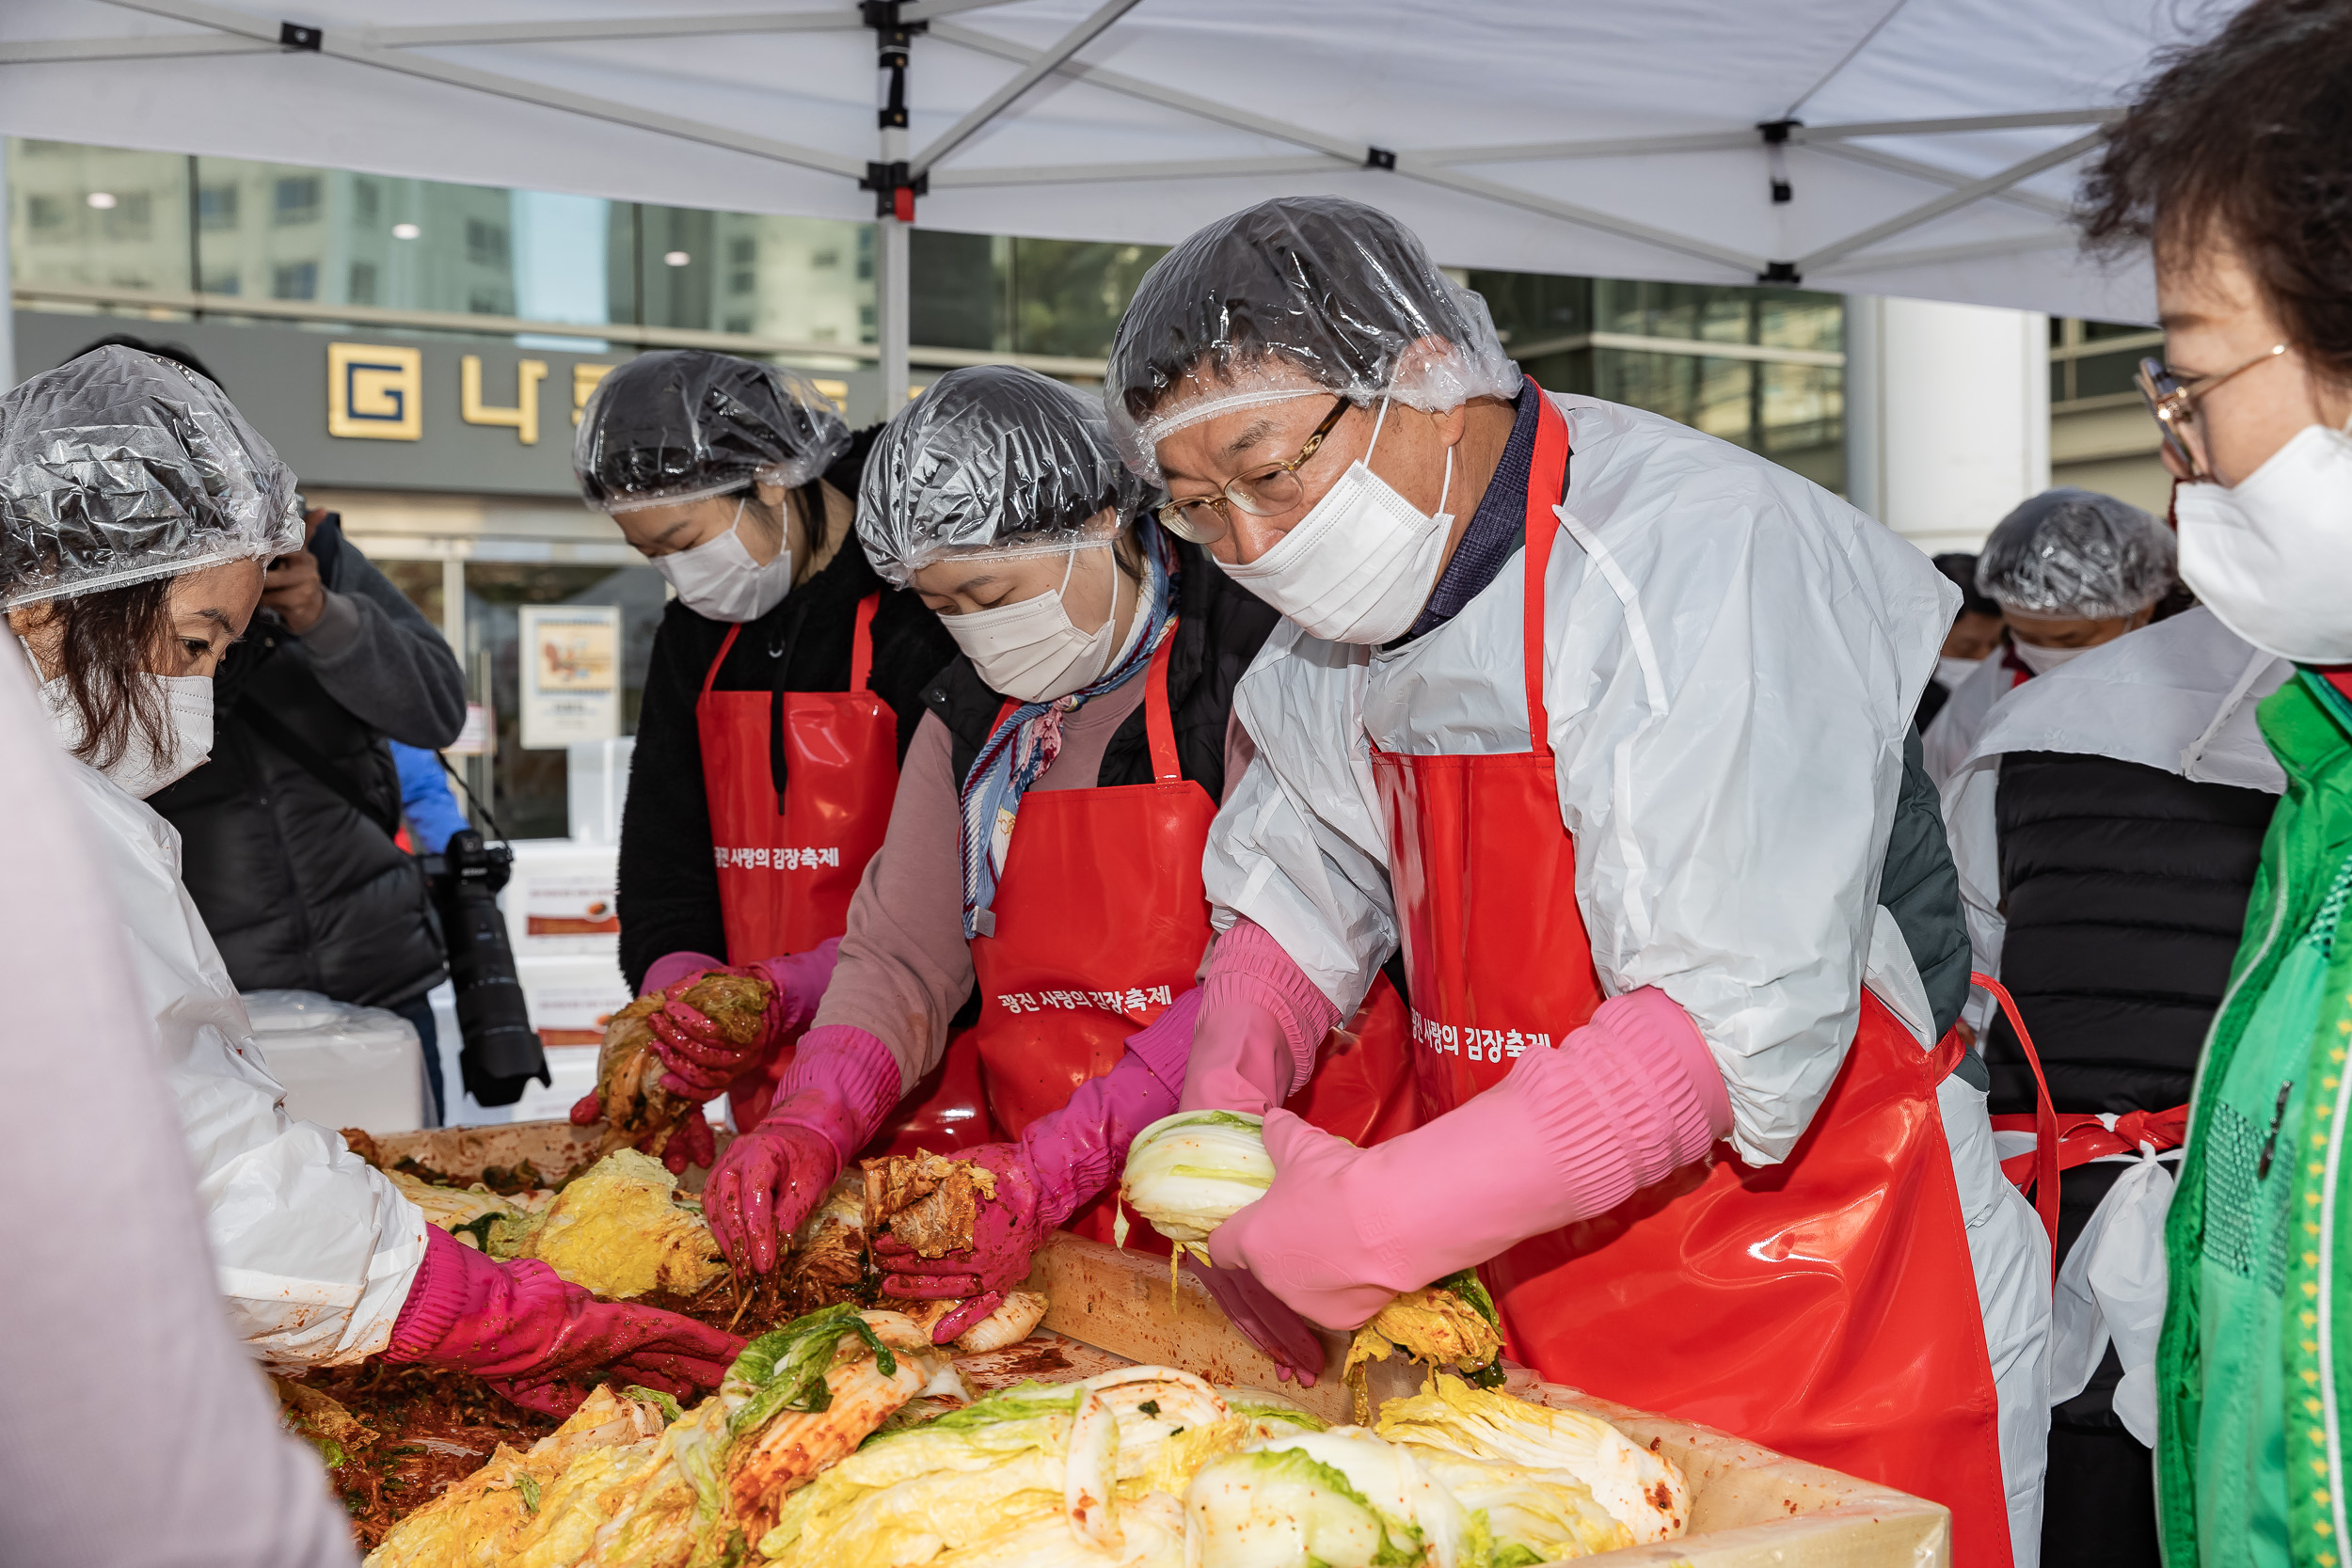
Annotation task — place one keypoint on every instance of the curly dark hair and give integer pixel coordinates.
(2247, 137)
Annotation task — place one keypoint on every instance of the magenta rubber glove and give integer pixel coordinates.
(841, 1084)
(1261, 1023)
(1287, 1340)
(1059, 1162)
(702, 1062)
(1569, 1133)
(540, 1342)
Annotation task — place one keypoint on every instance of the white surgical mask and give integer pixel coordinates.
(1359, 565)
(1032, 650)
(2272, 555)
(142, 769)
(719, 578)
(2042, 660)
(1950, 672)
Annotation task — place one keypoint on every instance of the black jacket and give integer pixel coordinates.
(669, 889)
(2124, 888)
(300, 887)
(1919, 888)
(1219, 629)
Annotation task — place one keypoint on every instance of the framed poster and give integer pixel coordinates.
(570, 658)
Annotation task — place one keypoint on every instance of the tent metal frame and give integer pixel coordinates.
(898, 179)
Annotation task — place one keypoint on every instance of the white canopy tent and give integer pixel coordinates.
(1923, 148)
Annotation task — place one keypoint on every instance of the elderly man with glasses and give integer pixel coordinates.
(1607, 724)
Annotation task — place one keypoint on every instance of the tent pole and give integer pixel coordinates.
(895, 187)
(890, 309)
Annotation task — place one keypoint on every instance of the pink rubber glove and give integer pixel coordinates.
(691, 1143)
(841, 1084)
(1286, 1337)
(1060, 1160)
(540, 1342)
(701, 1061)
(1569, 1133)
(1261, 1023)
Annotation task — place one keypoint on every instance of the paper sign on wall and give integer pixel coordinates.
(570, 674)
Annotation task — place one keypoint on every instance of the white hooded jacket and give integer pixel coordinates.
(315, 1249)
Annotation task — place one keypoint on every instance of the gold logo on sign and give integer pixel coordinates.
(523, 417)
(375, 392)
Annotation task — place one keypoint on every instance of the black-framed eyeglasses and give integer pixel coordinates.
(1265, 493)
(2172, 404)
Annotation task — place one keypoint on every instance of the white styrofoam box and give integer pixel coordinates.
(562, 898)
(570, 996)
(341, 1064)
(597, 777)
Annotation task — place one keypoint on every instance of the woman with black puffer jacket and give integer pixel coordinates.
(2106, 827)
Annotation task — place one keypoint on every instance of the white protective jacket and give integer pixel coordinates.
(2178, 696)
(1954, 730)
(315, 1250)
(1734, 657)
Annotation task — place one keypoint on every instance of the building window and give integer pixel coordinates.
(294, 280)
(363, 282)
(223, 283)
(295, 200)
(743, 252)
(2092, 362)
(741, 324)
(216, 207)
(481, 302)
(364, 200)
(129, 218)
(485, 244)
(44, 212)
(743, 282)
(824, 259)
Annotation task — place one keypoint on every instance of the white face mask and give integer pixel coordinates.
(1950, 672)
(1359, 565)
(2272, 555)
(719, 578)
(142, 769)
(1032, 650)
(2042, 660)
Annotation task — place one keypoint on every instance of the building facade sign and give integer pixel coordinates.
(378, 410)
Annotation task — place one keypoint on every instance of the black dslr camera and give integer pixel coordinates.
(501, 1051)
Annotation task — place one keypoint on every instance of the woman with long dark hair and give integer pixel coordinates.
(137, 512)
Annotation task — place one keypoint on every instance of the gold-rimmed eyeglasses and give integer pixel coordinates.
(2172, 404)
(1265, 493)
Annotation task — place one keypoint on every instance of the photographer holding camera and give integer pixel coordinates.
(288, 832)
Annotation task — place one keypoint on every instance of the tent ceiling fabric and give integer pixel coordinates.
(1616, 141)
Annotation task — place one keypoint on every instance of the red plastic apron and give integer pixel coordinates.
(1101, 922)
(788, 866)
(1824, 1307)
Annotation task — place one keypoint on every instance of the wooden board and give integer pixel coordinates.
(1750, 1507)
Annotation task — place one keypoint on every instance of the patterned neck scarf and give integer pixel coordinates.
(1025, 742)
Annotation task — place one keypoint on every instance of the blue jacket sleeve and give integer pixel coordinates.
(432, 811)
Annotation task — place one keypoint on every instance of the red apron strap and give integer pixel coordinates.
(727, 643)
(1545, 477)
(2046, 1161)
(2085, 1137)
(1159, 724)
(862, 646)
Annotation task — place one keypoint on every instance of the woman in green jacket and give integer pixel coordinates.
(2236, 163)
